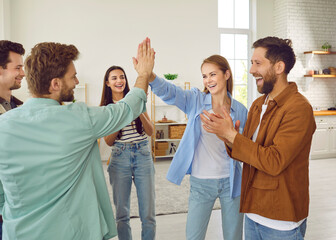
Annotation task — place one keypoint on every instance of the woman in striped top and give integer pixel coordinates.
(130, 161)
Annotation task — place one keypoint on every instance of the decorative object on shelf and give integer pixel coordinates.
(167, 121)
(161, 134)
(169, 76)
(313, 71)
(326, 47)
(158, 134)
(176, 131)
(161, 148)
(172, 149)
(326, 71)
(332, 70)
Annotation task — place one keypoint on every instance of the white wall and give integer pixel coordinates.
(107, 32)
(264, 18)
(4, 19)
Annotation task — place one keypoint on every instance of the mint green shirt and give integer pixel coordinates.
(51, 171)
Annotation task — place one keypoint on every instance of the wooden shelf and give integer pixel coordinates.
(324, 113)
(165, 156)
(167, 139)
(321, 76)
(319, 52)
(169, 123)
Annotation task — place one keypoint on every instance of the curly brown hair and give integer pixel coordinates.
(47, 60)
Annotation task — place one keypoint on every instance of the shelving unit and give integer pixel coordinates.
(310, 77)
(164, 126)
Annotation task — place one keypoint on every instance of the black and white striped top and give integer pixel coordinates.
(130, 134)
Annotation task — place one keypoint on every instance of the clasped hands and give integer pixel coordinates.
(220, 124)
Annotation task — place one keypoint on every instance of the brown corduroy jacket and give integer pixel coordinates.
(275, 181)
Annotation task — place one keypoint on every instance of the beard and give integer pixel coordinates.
(67, 95)
(15, 86)
(269, 81)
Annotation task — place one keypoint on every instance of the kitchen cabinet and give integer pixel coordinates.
(164, 145)
(324, 138)
(309, 58)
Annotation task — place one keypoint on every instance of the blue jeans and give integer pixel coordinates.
(256, 231)
(203, 194)
(133, 162)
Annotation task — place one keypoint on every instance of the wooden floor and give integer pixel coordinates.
(321, 220)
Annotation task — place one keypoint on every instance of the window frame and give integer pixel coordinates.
(251, 88)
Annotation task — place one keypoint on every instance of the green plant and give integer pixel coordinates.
(326, 46)
(169, 76)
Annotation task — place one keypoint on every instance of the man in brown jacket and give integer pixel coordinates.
(274, 147)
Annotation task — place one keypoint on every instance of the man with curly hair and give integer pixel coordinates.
(50, 165)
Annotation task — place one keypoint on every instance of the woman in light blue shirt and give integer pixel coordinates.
(203, 155)
(130, 161)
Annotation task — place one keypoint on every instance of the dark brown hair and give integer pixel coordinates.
(47, 61)
(6, 47)
(277, 49)
(223, 65)
(107, 96)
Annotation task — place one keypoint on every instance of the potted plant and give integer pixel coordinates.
(169, 76)
(326, 47)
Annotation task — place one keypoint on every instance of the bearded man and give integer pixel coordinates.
(50, 166)
(274, 147)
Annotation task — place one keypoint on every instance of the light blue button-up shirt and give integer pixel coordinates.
(51, 172)
(193, 102)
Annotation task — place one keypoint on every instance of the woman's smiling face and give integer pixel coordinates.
(116, 81)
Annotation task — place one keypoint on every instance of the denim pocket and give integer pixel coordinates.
(116, 151)
(144, 150)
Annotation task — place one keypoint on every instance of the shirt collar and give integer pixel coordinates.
(283, 96)
(16, 101)
(13, 99)
(234, 104)
(41, 101)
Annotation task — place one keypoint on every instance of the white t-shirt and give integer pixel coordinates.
(211, 160)
(271, 223)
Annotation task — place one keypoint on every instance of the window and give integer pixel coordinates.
(234, 25)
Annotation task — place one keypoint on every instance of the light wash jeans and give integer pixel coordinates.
(133, 162)
(203, 194)
(256, 231)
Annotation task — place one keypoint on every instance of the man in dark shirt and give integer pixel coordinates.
(11, 75)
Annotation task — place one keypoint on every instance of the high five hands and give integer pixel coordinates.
(220, 124)
(144, 62)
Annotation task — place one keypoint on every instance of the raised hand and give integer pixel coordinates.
(144, 62)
